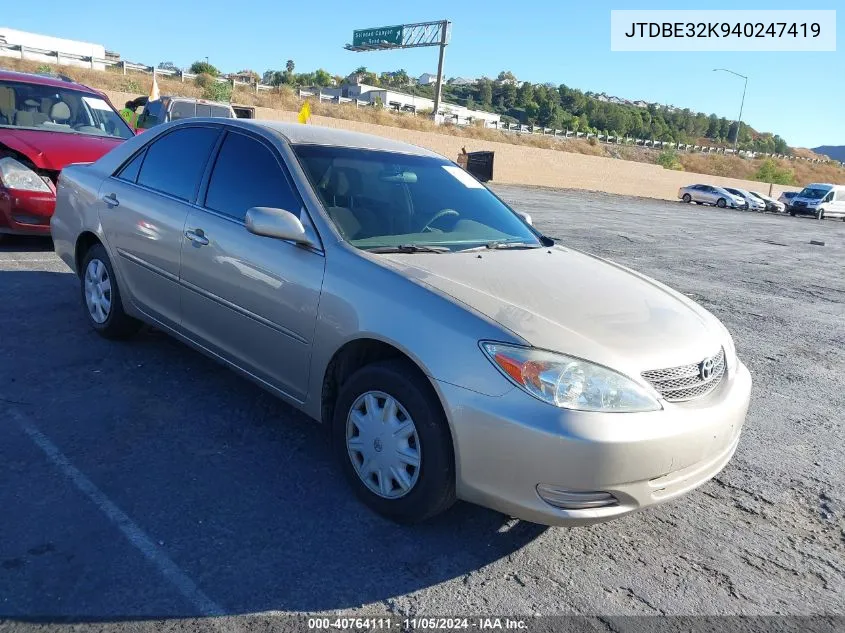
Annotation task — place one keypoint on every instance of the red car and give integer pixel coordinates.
(45, 124)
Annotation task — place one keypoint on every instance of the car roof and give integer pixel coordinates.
(44, 80)
(297, 133)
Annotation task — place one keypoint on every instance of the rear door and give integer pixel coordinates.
(143, 211)
(838, 205)
(250, 299)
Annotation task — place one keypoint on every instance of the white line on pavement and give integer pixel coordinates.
(130, 529)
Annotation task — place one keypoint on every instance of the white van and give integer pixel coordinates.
(821, 200)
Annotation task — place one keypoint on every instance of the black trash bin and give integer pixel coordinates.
(480, 165)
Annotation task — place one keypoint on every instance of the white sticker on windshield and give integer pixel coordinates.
(468, 181)
(96, 104)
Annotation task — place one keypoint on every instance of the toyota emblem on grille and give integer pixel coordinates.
(705, 369)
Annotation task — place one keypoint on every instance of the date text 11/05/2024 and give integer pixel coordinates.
(423, 623)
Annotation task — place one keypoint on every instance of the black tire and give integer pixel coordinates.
(721, 203)
(697, 202)
(820, 214)
(117, 324)
(434, 490)
(687, 198)
(792, 213)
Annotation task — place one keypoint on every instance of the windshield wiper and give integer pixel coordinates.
(408, 248)
(501, 244)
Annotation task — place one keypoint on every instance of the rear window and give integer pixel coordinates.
(221, 111)
(183, 110)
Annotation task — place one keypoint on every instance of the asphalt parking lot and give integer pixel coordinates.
(140, 481)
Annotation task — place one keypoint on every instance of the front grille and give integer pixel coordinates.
(799, 204)
(686, 382)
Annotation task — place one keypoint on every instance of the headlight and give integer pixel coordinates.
(15, 175)
(569, 383)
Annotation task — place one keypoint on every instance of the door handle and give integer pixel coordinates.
(197, 237)
(111, 200)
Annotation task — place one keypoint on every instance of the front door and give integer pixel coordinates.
(143, 211)
(250, 299)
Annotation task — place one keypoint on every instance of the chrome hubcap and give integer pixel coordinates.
(383, 444)
(97, 291)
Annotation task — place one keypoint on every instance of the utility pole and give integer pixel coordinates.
(741, 105)
(444, 26)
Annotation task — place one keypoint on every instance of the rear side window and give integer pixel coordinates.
(131, 169)
(183, 110)
(247, 174)
(175, 162)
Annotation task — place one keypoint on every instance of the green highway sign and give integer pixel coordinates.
(378, 35)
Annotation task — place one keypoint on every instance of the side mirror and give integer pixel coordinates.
(278, 223)
(525, 217)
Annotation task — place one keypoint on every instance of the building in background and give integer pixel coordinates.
(427, 79)
(43, 48)
(404, 102)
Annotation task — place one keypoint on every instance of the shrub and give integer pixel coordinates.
(592, 141)
(130, 85)
(204, 68)
(668, 159)
(43, 69)
(770, 171)
(212, 89)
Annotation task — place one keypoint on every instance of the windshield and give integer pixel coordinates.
(385, 199)
(813, 194)
(38, 107)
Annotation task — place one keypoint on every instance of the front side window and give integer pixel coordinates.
(385, 199)
(53, 109)
(175, 162)
(152, 115)
(246, 174)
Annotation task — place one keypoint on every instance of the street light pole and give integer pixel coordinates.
(741, 105)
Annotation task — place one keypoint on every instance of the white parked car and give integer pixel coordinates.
(754, 204)
(708, 194)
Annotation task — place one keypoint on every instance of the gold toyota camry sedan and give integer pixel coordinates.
(454, 351)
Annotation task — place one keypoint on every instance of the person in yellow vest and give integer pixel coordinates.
(130, 113)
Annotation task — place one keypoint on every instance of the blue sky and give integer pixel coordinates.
(800, 96)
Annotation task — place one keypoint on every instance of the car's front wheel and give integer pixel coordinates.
(721, 203)
(101, 297)
(820, 214)
(393, 443)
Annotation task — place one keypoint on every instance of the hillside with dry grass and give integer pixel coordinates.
(284, 98)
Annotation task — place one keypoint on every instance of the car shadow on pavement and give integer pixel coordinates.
(25, 243)
(236, 488)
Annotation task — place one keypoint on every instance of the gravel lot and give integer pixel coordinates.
(141, 481)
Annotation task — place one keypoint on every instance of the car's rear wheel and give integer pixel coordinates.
(687, 198)
(101, 296)
(721, 203)
(393, 443)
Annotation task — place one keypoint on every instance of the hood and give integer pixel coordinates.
(55, 150)
(567, 301)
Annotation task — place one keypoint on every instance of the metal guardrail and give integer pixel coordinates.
(517, 128)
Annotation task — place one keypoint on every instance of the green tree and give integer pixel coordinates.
(771, 172)
(712, 126)
(525, 95)
(509, 95)
(203, 68)
(485, 93)
(322, 77)
(290, 66)
(212, 89)
(167, 66)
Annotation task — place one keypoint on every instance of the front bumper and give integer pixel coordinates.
(26, 212)
(806, 210)
(506, 446)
